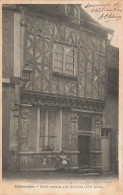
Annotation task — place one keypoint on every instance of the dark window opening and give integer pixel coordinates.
(105, 132)
(85, 123)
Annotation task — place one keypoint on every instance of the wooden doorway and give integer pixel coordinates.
(84, 149)
(105, 147)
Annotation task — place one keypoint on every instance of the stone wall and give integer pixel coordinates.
(111, 113)
(8, 97)
(8, 44)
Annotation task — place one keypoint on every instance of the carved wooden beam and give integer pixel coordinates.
(69, 102)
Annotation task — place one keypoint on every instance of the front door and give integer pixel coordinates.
(84, 149)
(105, 146)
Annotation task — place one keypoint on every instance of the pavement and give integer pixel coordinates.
(51, 175)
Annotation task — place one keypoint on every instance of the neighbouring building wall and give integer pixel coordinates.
(7, 44)
(110, 121)
(110, 114)
(10, 88)
(8, 98)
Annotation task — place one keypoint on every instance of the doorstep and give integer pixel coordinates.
(108, 172)
(89, 174)
(88, 171)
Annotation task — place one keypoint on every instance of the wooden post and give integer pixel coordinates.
(46, 129)
(38, 127)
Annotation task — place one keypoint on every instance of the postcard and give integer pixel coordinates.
(61, 97)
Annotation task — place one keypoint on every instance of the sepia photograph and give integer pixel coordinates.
(60, 92)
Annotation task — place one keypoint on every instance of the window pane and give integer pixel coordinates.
(51, 129)
(64, 59)
(42, 128)
(48, 131)
(69, 61)
(58, 58)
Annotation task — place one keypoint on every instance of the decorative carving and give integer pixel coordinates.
(81, 73)
(59, 32)
(24, 131)
(69, 35)
(82, 39)
(73, 88)
(102, 78)
(48, 29)
(61, 86)
(67, 88)
(54, 85)
(95, 75)
(72, 132)
(23, 11)
(88, 92)
(71, 103)
(44, 159)
(38, 49)
(74, 117)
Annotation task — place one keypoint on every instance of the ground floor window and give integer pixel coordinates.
(48, 134)
(49, 129)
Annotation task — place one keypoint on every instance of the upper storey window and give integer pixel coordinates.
(64, 60)
(73, 12)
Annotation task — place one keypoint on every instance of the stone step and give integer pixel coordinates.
(86, 171)
(107, 172)
(89, 174)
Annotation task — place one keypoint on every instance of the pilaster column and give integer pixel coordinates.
(23, 135)
(95, 148)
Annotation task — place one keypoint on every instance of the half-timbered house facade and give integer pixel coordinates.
(55, 77)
